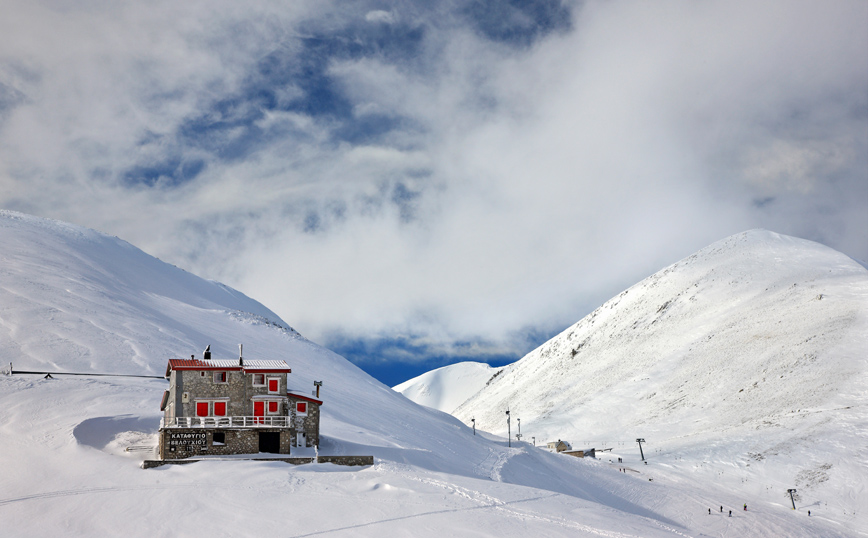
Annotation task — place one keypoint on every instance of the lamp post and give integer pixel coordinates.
(791, 491)
(473, 420)
(534, 441)
(519, 425)
(508, 430)
(640, 441)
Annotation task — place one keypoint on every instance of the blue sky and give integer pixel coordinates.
(417, 183)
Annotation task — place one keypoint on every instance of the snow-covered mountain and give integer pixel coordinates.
(75, 300)
(448, 387)
(747, 359)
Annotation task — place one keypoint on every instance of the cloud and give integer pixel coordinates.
(378, 15)
(460, 180)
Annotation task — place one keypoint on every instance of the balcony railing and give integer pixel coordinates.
(226, 422)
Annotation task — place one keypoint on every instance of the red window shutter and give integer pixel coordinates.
(272, 385)
(219, 409)
(301, 407)
(258, 409)
(201, 409)
(272, 407)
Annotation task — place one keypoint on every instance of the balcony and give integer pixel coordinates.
(227, 422)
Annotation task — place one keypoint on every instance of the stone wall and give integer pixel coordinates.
(308, 424)
(347, 460)
(179, 443)
(353, 461)
(239, 389)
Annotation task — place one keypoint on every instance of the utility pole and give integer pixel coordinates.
(534, 441)
(640, 441)
(519, 426)
(508, 430)
(473, 420)
(791, 491)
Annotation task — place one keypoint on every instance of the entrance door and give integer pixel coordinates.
(299, 440)
(259, 412)
(269, 442)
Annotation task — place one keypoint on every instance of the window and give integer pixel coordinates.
(219, 438)
(221, 377)
(211, 408)
(273, 384)
(258, 380)
(301, 408)
(273, 407)
(202, 373)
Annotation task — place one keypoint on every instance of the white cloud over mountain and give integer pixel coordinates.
(430, 172)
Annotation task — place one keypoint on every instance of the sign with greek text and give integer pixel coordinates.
(187, 438)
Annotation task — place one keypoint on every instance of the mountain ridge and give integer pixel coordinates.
(758, 337)
(649, 310)
(446, 388)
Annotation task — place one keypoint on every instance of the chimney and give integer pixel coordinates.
(240, 355)
(207, 354)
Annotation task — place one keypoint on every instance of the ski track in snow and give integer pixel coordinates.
(484, 502)
(493, 464)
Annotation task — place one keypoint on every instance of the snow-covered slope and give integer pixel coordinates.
(76, 300)
(747, 360)
(448, 387)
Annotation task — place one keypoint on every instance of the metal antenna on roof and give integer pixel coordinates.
(240, 354)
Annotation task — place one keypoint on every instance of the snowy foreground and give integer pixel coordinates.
(78, 301)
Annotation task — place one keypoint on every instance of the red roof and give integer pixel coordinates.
(301, 397)
(259, 366)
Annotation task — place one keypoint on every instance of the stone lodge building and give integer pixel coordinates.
(223, 407)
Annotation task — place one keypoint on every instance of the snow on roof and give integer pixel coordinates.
(224, 364)
(303, 397)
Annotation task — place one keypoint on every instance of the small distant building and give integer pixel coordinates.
(559, 446)
(586, 453)
(224, 407)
